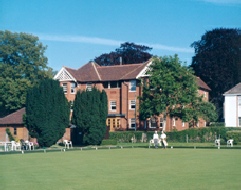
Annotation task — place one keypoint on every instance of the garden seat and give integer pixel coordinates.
(152, 142)
(30, 145)
(230, 142)
(15, 145)
(217, 142)
(67, 144)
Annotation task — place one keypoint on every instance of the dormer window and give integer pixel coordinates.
(132, 86)
(111, 84)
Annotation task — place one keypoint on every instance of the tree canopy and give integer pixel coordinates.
(172, 90)
(22, 65)
(47, 112)
(217, 61)
(89, 115)
(128, 53)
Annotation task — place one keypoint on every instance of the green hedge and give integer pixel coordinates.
(206, 134)
(109, 142)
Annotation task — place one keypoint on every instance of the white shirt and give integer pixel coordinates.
(163, 136)
(155, 136)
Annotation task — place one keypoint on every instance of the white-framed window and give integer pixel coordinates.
(88, 86)
(152, 122)
(239, 121)
(132, 123)
(132, 104)
(162, 122)
(132, 86)
(64, 85)
(112, 84)
(112, 105)
(183, 124)
(173, 121)
(73, 88)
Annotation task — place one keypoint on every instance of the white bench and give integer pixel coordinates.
(217, 142)
(67, 144)
(152, 142)
(230, 142)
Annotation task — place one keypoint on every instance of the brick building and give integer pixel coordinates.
(15, 124)
(122, 86)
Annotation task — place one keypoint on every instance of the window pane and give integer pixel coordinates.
(64, 87)
(105, 84)
(113, 84)
(88, 86)
(112, 105)
(133, 85)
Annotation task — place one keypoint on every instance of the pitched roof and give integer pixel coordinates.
(14, 118)
(201, 84)
(235, 90)
(94, 72)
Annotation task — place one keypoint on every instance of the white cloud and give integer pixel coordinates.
(79, 39)
(223, 1)
(108, 42)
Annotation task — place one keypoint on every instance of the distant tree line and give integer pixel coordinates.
(128, 53)
(217, 61)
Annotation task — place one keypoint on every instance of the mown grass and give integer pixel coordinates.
(122, 169)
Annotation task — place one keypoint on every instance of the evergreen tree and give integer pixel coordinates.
(89, 115)
(47, 112)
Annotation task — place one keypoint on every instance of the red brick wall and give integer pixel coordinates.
(122, 96)
(21, 133)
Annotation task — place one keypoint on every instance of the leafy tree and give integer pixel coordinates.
(172, 90)
(89, 115)
(47, 112)
(217, 61)
(130, 53)
(22, 65)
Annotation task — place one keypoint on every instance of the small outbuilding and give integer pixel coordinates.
(232, 107)
(16, 126)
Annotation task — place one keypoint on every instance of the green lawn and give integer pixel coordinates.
(122, 169)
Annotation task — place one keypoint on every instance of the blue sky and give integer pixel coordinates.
(77, 31)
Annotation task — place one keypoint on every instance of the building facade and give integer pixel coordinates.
(122, 84)
(232, 107)
(14, 122)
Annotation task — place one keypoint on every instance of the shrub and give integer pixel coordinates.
(11, 138)
(109, 142)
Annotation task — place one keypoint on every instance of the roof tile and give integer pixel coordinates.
(14, 118)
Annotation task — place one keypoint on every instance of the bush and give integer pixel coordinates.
(125, 136)
(11, 138)
(109, 142)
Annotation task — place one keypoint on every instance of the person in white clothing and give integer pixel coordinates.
(163, 139)
(155, 138)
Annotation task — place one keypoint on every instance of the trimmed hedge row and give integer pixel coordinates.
(206, 134)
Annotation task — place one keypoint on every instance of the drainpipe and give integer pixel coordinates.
(126, 105)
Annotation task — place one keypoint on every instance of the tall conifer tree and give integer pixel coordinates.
(47, 112)
(89, 115)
